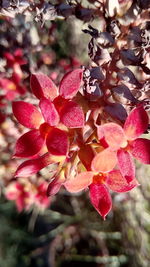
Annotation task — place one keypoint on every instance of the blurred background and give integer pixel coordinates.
(64, 230)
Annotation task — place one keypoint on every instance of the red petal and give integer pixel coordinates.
(49, 112)
(136, 123)
(140, 149)
(10, 58)
(70, 83)
(20, 203)
(43, 86)
(104, 161)
(116, 182)
(31, 167)
(100, 199)
(27, 114)
(54, 187)
(80, 182)
(126, 165)
(71, 115)
(113, 134)
(29, 144)
(57, 142)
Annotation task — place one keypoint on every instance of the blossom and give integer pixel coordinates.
(16, 191)
(49, 126)
(15, 61)
(101, 182)
(26, 194)
(125, 142)
(118, 145)
(11, 88)
(15, 58)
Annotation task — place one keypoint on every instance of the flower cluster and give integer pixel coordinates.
(49, 126)
(113, 168)
(12, 86)
(26, 194)
(84, 154)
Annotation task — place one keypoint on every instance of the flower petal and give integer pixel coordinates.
(80, 182)
(71, 115)
(49, 112)
(54, 187)
(116, 182)
(100, 199)
(57, 142)
(32, 166)
(126, 165)
(29, 144)
(104, 161)
(136, 123)
(70, 83)
(27, 114)
(113, 135)
(43, 86)
(140, 149)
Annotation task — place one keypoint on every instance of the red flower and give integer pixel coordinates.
(124, 142)
(17, 192)
(14, 61)
(100, 182)
(26, 194)
(11, 88)
(15, 58)
(48, 127)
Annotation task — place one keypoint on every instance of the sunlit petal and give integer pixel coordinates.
(104, 161)
(49, 112)
(116, 182)
(32, 166)
(140, 149)
(43, 86)
(79, 182)
(70, 83)
(27, 114)
(72, 115)
(100, 199)
(29, 144)
(136, 123)
(57, 142)
(113, 135)
(126, 165)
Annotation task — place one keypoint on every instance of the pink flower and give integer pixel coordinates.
(11, 88)
(125, 142)
(15, 58)
(16, 191)
(26, 194)
(101, 182)
(50, 125)
(119, 145)
(14, 61)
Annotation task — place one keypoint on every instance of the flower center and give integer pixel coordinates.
(45, 128)
(99, 179)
